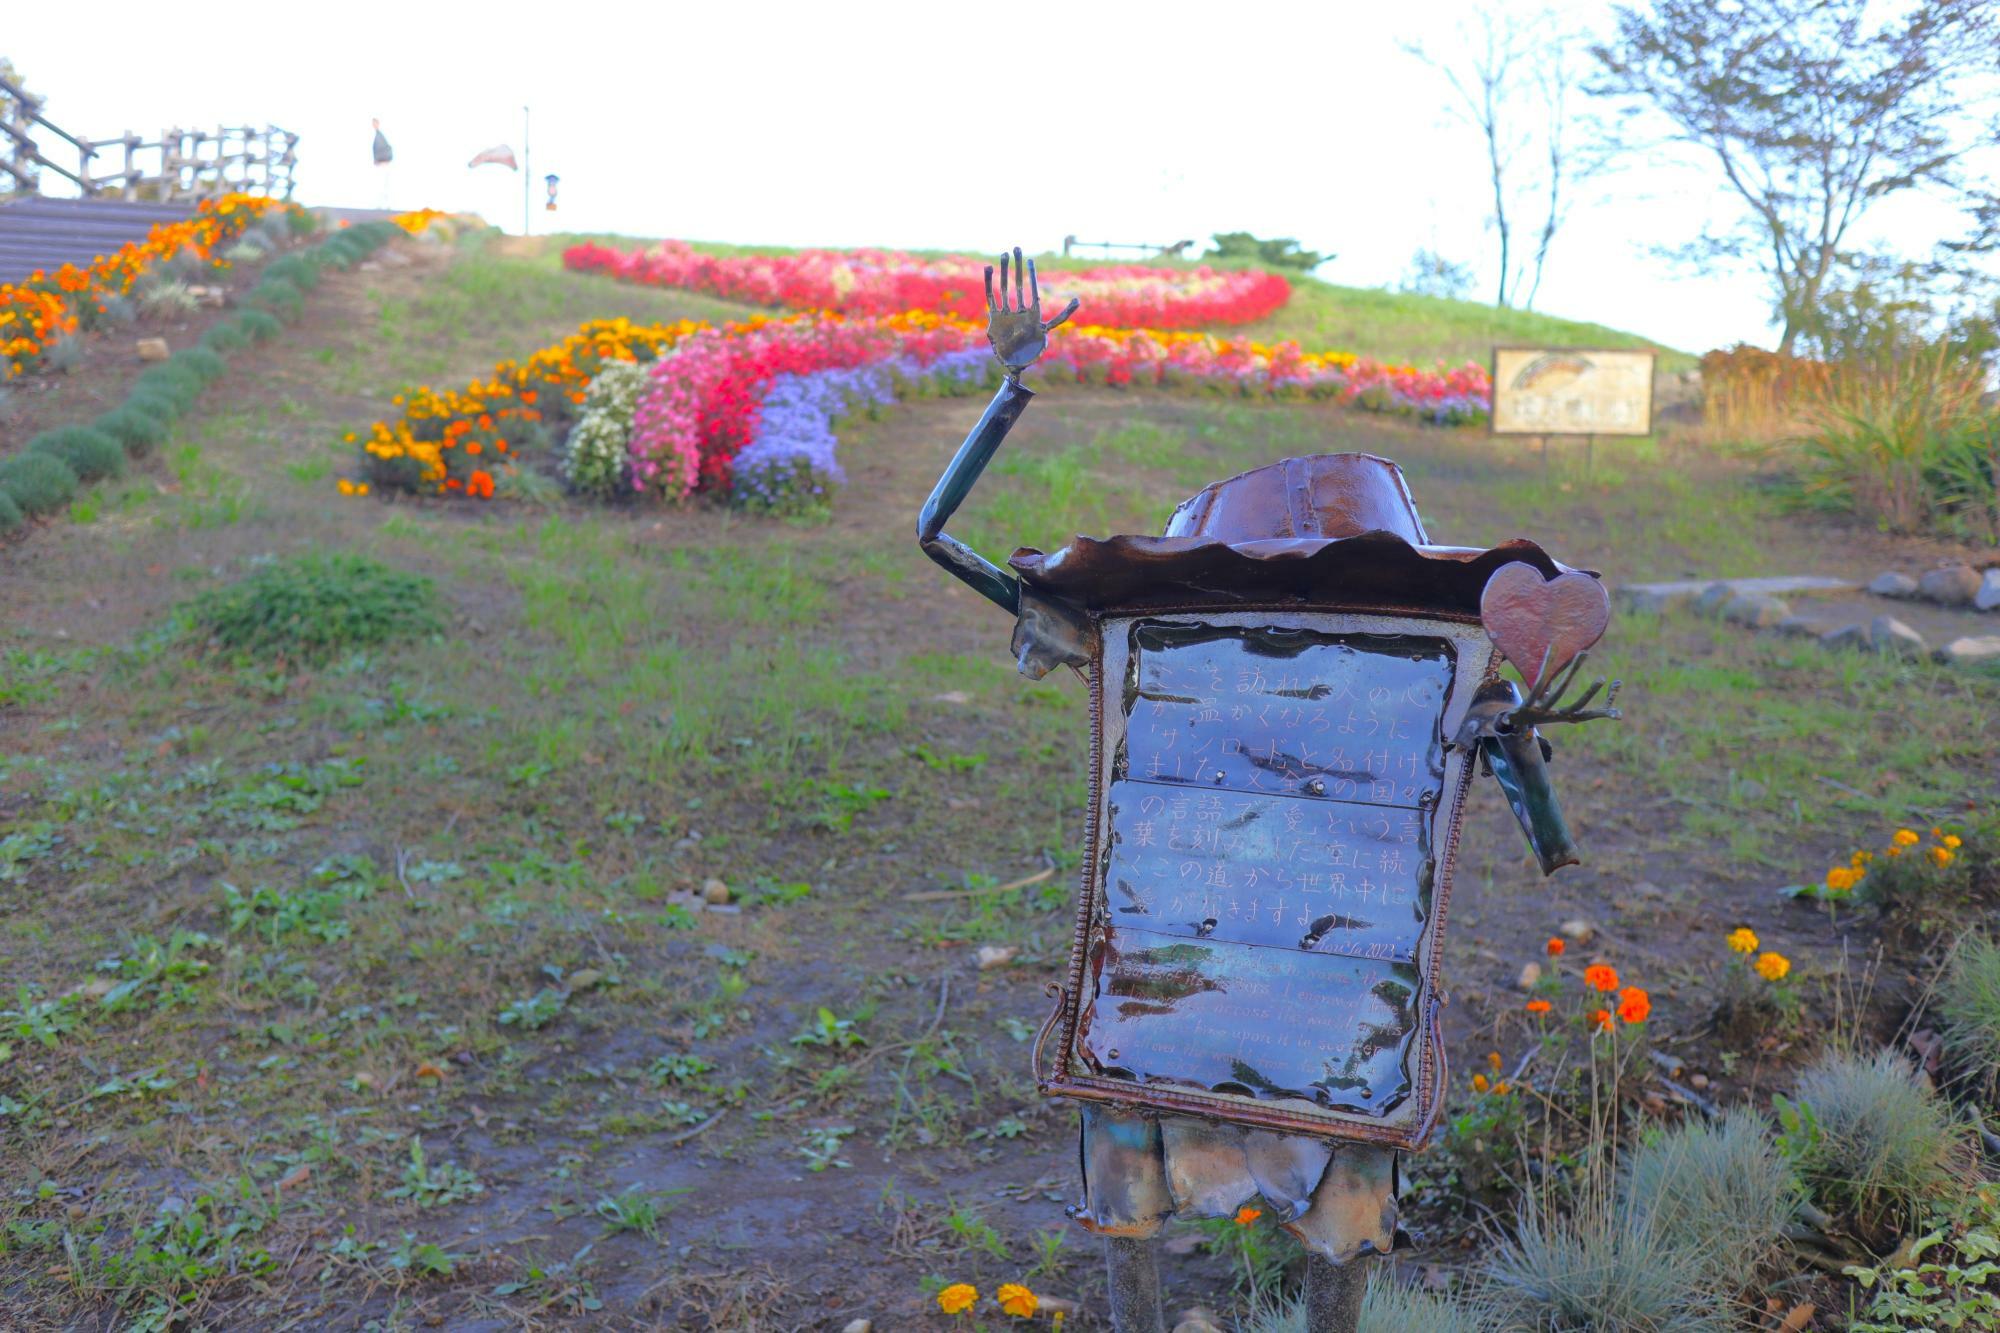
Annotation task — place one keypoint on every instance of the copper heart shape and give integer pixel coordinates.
(1541, 624)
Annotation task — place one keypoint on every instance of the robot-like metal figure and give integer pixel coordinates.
(1290, 691)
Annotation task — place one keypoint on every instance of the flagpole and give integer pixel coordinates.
(527, 170)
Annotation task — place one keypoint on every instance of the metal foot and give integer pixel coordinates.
(1134, 1270)
(1334, 1292)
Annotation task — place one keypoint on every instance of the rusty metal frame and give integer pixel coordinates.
(1066, 1015)
(1493, 400)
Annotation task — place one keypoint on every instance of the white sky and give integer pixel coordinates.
(934, 125)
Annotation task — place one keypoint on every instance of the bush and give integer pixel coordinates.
(136, 430)
(1386, 1308)
(172, 381)
(10, 514)
(223, 337)
(167, 296)
(258, 325)
(302, 271)
(37, 483)
(1871, 1143)
(309, 607)
(1598, 1272)
(1720, 1191)
(204, 365)
(1968, 1011)
(151, 403)
(279, 297)
(91, 454)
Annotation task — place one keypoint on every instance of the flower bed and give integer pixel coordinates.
(888, 282)
(763, 395)
(38, 313)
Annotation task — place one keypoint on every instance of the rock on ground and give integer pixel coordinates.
(1953, 585)
(1988, 596)
(1979, 648)
(1847, 636)
(1754, 610)
(1893, 584)
(1892, 635)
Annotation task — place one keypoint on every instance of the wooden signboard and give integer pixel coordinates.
(1273, 814)
(1572, 391)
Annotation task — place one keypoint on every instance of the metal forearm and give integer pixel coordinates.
(980, 574)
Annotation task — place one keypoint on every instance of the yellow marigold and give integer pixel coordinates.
(1905, 838)
(1743, 940)
(1953, 841)
(1772, 966)
(957, 1298)
(1838, 880)
(345, 486)
(1016, 1300)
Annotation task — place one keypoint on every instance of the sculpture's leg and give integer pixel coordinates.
(1334, 1291)
(1134, 1269)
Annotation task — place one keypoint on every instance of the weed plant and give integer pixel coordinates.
(1871, 1143)
(37, 482)
(1601, 1269)
(313, 606)
(1721, 1192)
(1967, 1009)
(91, 454)
(10, 514)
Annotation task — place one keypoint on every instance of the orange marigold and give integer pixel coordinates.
(1601, 1019)
(1634, 1005)
(957, 1298)
(1246, 1215)
(1555, 947)
(1016, 1300)
(1538, 1006)
(1599, 977)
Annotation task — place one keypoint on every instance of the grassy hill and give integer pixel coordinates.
(1392, 326)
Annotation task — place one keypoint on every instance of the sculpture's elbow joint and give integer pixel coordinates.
(1518, 758)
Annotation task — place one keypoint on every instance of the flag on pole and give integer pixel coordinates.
(500, 155)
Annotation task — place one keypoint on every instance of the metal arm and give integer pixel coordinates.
(1019, 335)
(976, 571)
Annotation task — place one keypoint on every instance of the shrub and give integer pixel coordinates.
(1386, 1308)
(1597, 1271)
(204, 365)
(279, 297)
(302, 222)
(38, 483)
(1720, 1191)
(1870, 1142)
(118, 309)
(136, 430)
(10, 514)
(173, 381)
(167, 296)
(151, 403)
(1968, 1011)
(311, 606)
(64, 355)
(258, 325)
(90, 453)
(243, 252)
(223, 337)
(302, 271)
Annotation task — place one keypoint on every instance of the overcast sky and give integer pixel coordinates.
(931, 125)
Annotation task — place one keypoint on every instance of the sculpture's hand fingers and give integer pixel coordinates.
(1020, 298)
(1067, 311)
(990, 307)
(1034, 288)
(1003, 282)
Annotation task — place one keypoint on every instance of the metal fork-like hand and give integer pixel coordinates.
(1017, 331)
(1544, 703)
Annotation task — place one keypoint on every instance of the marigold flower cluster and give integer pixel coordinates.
(1014, 1299)
(1842, 882)
(38, 313)
(1770, 965)
(1630, 1004)
(888, 282)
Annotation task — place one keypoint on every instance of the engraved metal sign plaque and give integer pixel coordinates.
(1273, 809)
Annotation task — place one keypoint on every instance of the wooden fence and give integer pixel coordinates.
(180, 164)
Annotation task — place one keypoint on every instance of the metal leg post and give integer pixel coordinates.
(1333, 1293)
(1134, 1270)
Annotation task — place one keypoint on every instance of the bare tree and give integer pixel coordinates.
(1814, 110)
(1513, 78)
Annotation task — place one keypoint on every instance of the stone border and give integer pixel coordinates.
(1755, 604)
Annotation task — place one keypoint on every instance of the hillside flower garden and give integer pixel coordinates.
(37, 314)
(748, 411)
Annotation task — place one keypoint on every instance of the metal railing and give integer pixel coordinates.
(1178, 249)
(180, 164)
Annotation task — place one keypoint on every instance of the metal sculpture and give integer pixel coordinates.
(1290, 691)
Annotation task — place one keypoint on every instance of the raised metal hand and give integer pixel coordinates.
(1544, 703)
(1017, 331)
